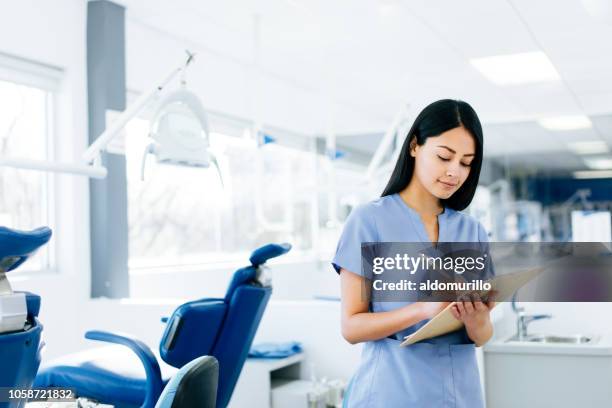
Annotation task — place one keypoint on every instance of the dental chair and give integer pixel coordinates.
(20, 330)
(194, 386)
(222, 328)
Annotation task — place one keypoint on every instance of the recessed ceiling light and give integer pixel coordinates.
(516, 69)
(588, 147)
(598, 163)
(570, 122)
(592, 174)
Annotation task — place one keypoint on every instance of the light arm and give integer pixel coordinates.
(91, 162)
(104, 139)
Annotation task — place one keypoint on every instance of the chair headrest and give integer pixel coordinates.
(258, 257)
(16, 246)
(262, 254)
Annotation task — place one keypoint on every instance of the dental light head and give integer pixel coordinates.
(180, 134)
(180, 131)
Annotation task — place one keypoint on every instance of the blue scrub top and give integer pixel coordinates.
(441, 374)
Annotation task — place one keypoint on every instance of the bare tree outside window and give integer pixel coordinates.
(23, 134)
(185, 216)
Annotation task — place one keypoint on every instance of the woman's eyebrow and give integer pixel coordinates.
(452, 151)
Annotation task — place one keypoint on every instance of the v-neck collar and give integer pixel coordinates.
(418, 225)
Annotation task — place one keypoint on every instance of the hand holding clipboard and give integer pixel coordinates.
(444, 322)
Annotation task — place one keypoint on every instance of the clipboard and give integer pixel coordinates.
(444, 322)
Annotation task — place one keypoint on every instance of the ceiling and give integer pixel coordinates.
(376, 55)
(518, 144)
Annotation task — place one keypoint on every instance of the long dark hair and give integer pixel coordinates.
(435, 119)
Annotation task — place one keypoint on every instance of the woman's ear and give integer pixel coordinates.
(413, 146)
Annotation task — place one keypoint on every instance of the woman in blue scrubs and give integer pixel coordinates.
(434, 178)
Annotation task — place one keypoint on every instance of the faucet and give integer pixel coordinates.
(524, 319)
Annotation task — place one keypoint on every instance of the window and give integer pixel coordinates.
(24, 133)
(187, 216)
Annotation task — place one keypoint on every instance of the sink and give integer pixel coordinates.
(577, 339)
(553, 339)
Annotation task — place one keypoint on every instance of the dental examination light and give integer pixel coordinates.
(179, 131)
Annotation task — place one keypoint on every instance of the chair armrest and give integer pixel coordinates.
(153, 373)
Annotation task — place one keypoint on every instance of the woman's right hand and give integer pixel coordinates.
(360, 324)
(430, 309)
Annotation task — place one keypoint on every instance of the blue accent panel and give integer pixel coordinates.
(268, 139)
(335, 154)
(191, 331)
(556, 190)
(339, 154)
(262, 254)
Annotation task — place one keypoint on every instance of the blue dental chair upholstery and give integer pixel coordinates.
(20, 343)
(223, 328)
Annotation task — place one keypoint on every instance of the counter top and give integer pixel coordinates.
(601, 345)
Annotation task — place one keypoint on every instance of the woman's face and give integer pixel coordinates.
(442, 163)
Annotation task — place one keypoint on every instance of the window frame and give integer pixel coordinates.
(48, 79)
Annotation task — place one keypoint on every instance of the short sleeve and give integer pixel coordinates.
(359, 227)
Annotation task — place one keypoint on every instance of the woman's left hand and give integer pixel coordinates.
(472, 311)
(475, 315)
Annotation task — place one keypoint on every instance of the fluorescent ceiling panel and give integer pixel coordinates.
(593, 174)
(517, 69)
(588, 147)
(570, 122)
(599, 163)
